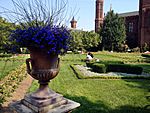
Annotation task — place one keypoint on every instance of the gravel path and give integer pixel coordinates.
(18, 94)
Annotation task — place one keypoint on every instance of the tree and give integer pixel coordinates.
(113, 31)
(5, 30)
(90, 40)
(76, 42)
(84, 40)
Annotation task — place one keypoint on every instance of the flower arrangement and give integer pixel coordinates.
(40, 25)
(51, 39)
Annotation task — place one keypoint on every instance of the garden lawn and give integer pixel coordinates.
(7, 65)
(98, 95)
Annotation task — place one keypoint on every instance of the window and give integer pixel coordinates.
(131, 27)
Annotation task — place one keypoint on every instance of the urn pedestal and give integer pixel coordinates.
(43, 67)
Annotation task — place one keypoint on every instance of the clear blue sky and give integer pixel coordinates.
(86, 10)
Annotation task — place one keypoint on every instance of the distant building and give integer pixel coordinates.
(99, 14)
(137, 23)
(144, 22)
(73, 23)
(132, 28)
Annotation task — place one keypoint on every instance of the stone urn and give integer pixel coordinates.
(43, 67)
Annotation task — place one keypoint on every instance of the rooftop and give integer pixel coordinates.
(134, 13)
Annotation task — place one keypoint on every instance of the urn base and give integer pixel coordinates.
(56, 104)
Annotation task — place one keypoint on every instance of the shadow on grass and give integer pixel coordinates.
(100, 107)
(140, 83)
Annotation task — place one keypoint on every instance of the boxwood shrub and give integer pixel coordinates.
(100, 68)
(146, 55)
(89, 64)
(114, 66)
(5, 55)
(124, 68)
(111, 62)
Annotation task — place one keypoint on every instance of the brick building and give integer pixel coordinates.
(132, 28)
(137, 24)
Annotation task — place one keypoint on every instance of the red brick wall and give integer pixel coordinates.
(132, 36)
(99, 14)
(144, 25)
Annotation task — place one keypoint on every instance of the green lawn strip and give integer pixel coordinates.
(10, 82)
(7, 65)
(100, 95)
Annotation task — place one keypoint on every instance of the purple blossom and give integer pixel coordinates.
(53, 40)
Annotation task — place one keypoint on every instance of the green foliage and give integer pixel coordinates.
(101, 96)
(100, 68)
(90, 39)
(5, 55)
(5, 29)
(76, 43)
(124, 68)
(146, 55)
(111, 62)
(10, 83)
(113, 31)
(115, 66)
(82, 40)
(7, 65)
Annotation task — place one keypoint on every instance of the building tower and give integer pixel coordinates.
(73, 23)
(144, 22)
(99, 14)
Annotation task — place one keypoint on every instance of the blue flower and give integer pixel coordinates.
(52, 39)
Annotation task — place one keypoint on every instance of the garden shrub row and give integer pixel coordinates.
(81, 75)
(114, 67)
(146, 58)
(5, 55)
(10, 83)
(89, 64)
(146, 55)
(124, 68)
(99, 68)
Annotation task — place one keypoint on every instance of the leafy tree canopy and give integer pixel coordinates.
(84, 40)
(5, 29)
(113, 31)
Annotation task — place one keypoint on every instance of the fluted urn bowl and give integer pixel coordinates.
(42, 67)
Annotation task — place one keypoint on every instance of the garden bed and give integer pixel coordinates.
(10, 82)
(84, 72)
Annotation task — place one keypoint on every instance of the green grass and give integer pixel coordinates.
(100, 96)
(9, 64)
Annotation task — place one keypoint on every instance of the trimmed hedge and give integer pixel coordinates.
(111, 62)
(80, 75)
(124, 68)
(100, 68)
(114, 66)
(5, 55)
(89, 64)
(146, 55)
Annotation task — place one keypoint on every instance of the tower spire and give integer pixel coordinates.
(73, 23)
(99, 14)
(110, 5)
